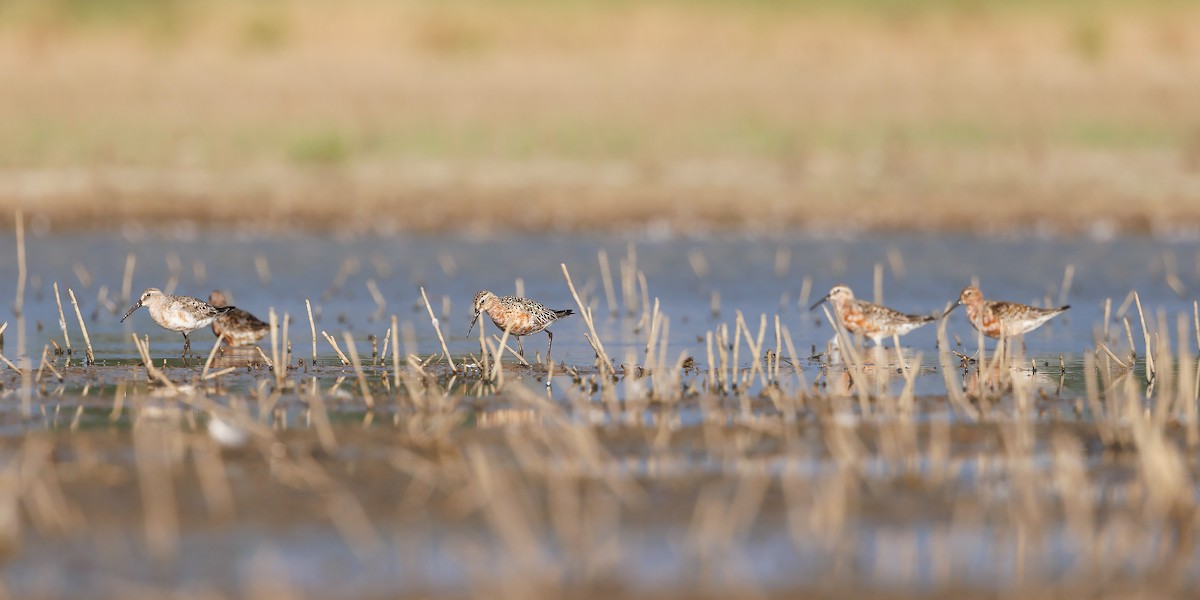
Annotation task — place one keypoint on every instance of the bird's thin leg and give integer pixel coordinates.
(187, 344)
(520, 350)
(549, 346)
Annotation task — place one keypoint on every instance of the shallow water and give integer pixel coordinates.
(756, 277)
(964, 529)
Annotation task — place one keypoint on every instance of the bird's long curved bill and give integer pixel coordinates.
(819, 302)
(951, 309)
(469, 329)
(130, 312)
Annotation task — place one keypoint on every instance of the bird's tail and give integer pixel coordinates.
(563, 313)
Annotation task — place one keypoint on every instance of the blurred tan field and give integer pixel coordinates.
(587, 115)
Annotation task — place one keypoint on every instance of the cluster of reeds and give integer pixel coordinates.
(718, 445)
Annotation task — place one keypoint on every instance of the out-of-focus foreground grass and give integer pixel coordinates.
(587, 114)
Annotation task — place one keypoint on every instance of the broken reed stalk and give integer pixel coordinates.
(358, 370)
(1146, 336)
(511, 351)
(48, 365)
(91, 358)
(312, 325)
(19, 302)
(62, 320)
(266, 359)
(208, 361)
(333, 342)
(216, 374)
(143, 348)
(586, 313)
(2, 357)
(438, 329)
(1113, 356)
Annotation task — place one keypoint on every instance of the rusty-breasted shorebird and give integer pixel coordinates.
(868, 319)
(236, 327)
(518, 316)
(177, 313)
(996, 318)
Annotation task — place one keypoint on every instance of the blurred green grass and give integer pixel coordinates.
(839, 92)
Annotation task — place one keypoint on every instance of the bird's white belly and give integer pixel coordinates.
(176, 318)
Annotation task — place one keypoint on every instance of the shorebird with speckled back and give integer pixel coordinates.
(178, 313)
(518, 316)
(236, 327)
(996, 318)
(868, 319)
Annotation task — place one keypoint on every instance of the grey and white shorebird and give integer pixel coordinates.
(866, 318)
(236, 327)
(518, 316)
(178, 313)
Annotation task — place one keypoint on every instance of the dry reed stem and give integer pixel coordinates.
(1196, 320)
(1150, 370)
(212, 353)
(62, 319)
(395, 355)
(2, 357)
(606, 278)
(524, 362)
(91, 358)
(497, 370)
(1113, 356)
(266, 359)
(805, 292)
(19, 301)
(852, 360)
(1068, 277)
(174, 269)
(948, 370)
(437, 328)
(586, 313)
(644, 287)
(332, 342)
(878, 288)
(277, 366)
(312, 325)
(45, 363)
(143, 348)
(159, 509)
(358, 370)
(127, 279)
(320, 419)
(380, 301)
(220, 373)
(285, 344)
(214, 480)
